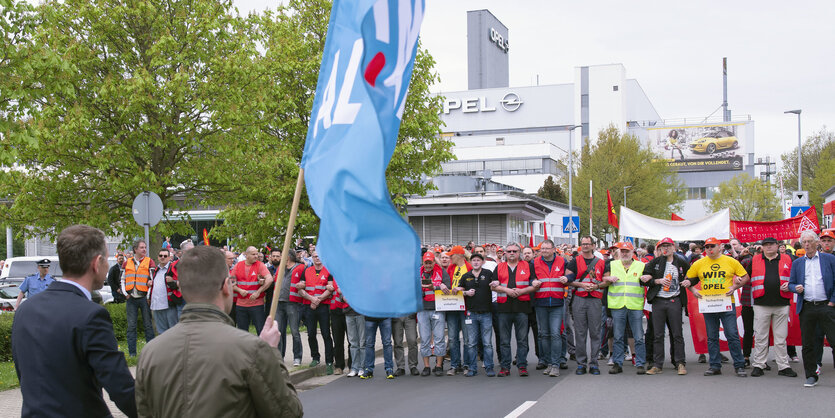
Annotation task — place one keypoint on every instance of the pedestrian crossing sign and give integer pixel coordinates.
(570, 224)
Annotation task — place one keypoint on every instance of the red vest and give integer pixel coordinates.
(436, 280)
(758, 275)
(551, 287)
(523, 275)
(592, 277)
(172, 271)
(316, 284)
(247, 278)
(295, 278)
(337, 301)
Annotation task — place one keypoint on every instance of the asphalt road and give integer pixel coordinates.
(627, 394)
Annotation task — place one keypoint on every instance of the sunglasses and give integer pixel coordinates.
(709, 246)
(163, 255)
(511, 251)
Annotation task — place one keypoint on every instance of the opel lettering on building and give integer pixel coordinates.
(499, 40)
(510, 102)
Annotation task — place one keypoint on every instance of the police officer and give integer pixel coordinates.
(36, 283)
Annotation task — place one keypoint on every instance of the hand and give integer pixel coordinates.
(314, 304)
(536, 283)
(270, 333)
(645, 278)
(666, 281)
(798, 288)
(255, 295)
(444, 289)
(784, 287)
(686, 283)
(737, 281)
(329, 287)
(610, 279)
(470, 292)
(563, 279)
(695, 293)
(242, 292)
(494, 283)
(513, 293)
(588, 286)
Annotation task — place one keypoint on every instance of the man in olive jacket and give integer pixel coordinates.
(204, 366)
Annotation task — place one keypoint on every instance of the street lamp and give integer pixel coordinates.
(570, 183)
(799, 177)
(624, 194)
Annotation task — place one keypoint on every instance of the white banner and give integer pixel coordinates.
(634, 224)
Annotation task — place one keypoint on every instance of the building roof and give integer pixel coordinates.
(829, 192)
(480, 203)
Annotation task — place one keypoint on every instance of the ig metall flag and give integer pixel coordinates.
(373, 253)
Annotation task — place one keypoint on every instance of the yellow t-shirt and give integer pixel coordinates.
(716, 276)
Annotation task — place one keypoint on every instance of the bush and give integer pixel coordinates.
(119, 317)
(6, 320)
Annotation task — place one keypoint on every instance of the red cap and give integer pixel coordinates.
(712, 240)
(666, 240)
(428, 256)
(456, 250)
(829, 234)
(625, 246)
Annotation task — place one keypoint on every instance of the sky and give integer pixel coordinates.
(781, 55)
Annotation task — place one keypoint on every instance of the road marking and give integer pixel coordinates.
(520, 409)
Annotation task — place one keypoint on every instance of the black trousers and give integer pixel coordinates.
(535, 328)
(815, 315)
(338, 327)
(748, 335)
(667, 312)
(649, 340)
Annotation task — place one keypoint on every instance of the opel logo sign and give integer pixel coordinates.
(510, 102)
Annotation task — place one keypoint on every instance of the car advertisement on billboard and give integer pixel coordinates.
(714, 147)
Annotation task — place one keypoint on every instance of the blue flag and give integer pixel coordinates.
(373, 253)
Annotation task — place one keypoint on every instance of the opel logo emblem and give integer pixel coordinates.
(510, 102)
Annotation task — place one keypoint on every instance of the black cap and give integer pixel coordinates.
(477, 255)
(769, 240)
(44, 263)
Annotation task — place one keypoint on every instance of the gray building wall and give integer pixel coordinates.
(487, 51)
(460, 229)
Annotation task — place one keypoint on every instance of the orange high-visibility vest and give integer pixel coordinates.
(137, 277)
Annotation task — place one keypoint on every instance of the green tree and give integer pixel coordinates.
(747, 198)
(16, 20)
(818, 167)
(551, 190)
(618, 160)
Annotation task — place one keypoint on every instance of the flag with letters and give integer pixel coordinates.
(360, 98)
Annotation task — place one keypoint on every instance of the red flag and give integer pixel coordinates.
(750, 231)
(531, 242)
(545, 229)
(205, 236)
(613, 219)
(675, 217)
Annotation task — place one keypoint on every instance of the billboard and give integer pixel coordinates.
(709, 147)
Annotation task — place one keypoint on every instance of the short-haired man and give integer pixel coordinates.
(316, 295)
(585, 274)
(813, 279)
(165, 310)
(625, 300)
(36, 283)
(430, 322)
(220, 370)
(251, 280)
(175, 298)
(718, 271)
(479, 321)
(289, 307)
(136, 281)
(114, 277)
(548, 304)
(63, 343)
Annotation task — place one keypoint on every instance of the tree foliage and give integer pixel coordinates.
(185, 99)
(613, 162)
(747, 198)
(551, 190)
(818, 166)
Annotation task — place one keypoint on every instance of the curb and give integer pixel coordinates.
(300, 376)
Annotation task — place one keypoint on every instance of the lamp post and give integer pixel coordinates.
(570, 183)
(799, 177)
(624, 194)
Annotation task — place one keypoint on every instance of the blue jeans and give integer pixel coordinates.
(619, 319)
(356, 341)
(180, 307)
(480, 329)
(320, 316)
(431, 326)
(165, 318)
(250, 314)
(565, 333)
(549, 319)
(132, 304)
(455, 326)
(520, 322)
(371, 341)
(731, 334)
(287, 313)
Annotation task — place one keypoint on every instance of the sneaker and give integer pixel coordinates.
(756, 372)
(740, 372)
(367, 375)
(580, 370)
(352, 373)
(337, 371)
(811, 382)
(795, 359)
(611, 362)
(490, 373)
(297, 362)
(314, 363)
(725, 358)
(616, 369)
(713, 372)
(459, 370)
(747, 362)
(641, 370)
(389, 375)
(399, 372)
(628, 358)
(470, 373)
(555, 372)
(563, 366)
(504, 372)
(594, 370)
(601, 356)
(818, 370)
(451, 371)
(414, 371)
(682, 370)
(541, 366)
(547, 370)
(329, 369)
(788, 372)
(523, 371)
(767, 367)
(702, 358)
(572, 357)
(439, 371)
(654, 370)
(426, 371)
(361, 373)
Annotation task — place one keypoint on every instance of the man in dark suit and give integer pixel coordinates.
(63, 344)
(813, 279)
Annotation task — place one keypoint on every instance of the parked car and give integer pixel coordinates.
(8, 297)
(16, 269)
(714, 141)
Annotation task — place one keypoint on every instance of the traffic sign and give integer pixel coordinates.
(630, 240)
(147, 209)
(800, 198)
(797, 210)
(570, 224)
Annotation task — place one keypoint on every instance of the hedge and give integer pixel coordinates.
(118, 315)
